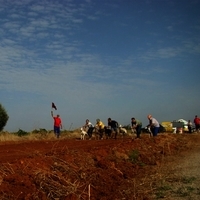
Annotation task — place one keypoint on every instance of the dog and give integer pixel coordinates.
(148, 130)
(83, 134)
(122, 130)
(108, 131)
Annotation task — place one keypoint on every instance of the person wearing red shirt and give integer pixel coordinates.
(57, 124)
(197, 123)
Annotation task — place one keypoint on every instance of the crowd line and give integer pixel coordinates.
(113, 128)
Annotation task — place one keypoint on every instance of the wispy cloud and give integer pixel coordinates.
(90, 53)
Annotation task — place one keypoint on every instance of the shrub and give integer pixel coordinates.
(21, 133)
(133, 156)
(41, 130)
(35, 131)
(3, 117)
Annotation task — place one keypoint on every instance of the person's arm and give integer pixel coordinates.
(87, 125)
(150, 123)
(52, 113)
(117, 125)
(132, 125)
(60, 123)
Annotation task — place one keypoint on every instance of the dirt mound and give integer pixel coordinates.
(90, 169)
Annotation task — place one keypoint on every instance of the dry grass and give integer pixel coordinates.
(49, 135)
(6, 136)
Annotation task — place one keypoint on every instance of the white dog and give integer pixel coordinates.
(83, 134)
(122, 130)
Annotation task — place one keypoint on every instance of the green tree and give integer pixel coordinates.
(3, 117)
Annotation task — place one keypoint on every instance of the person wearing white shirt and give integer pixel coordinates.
(154, 125)
(90, 128)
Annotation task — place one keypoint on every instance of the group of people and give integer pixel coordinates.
(113, 126)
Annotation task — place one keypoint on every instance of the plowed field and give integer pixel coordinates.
(90, 169)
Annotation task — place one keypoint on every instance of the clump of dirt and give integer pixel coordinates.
(90, 169)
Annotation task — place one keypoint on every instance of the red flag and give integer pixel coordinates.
(53, 106)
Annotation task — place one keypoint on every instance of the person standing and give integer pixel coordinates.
(90, 128)
(137, 125)
(189, 126)
(57, 124)
(114, 127)
(100, 128)
(197, 123)
(154, 125)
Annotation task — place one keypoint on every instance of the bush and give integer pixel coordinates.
(21, 133)
(3, 117)
(41, 130)
(133, 156)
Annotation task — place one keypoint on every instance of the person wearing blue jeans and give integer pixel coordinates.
(154, 125)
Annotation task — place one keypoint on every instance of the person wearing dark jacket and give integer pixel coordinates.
(114, 127)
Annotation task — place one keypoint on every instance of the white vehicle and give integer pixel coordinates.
(185, 125)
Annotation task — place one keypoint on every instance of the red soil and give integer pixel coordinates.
(91, 169)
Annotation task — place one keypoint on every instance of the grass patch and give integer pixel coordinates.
(162, 190)
(37, 134)
(134, 157)
(188, 180)
(182, 192)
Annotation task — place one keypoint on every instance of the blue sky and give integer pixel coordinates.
(98, 59)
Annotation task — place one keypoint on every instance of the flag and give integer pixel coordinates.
(53, 106)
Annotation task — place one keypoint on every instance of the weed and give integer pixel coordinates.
(165, 187)
(190, 189)
(184, 191)
(133, 156)
(160, 194)
(21, 133)
(187, 180)
(161, 191)
(198, 191)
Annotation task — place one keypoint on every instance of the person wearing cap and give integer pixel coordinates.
(154, 125)
(90, 128)
(100, 127)
(136, 125)
(57, 124)
(114, 127)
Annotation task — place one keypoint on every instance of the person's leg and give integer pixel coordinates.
(109, 133)
(116, 132)
(101, 133)
(138, 131)
(196, 127)
(155, 131)
(55, 131)
(58, 132)
(89, 132)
